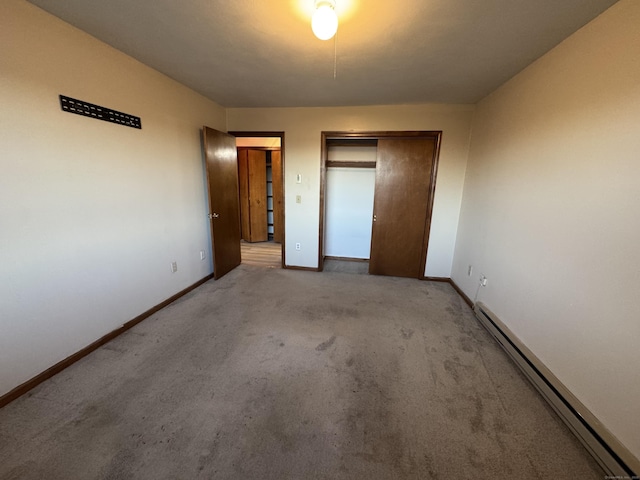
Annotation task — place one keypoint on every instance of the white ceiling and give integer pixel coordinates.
(250, 53)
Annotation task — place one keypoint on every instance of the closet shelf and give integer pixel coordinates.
(349, 164)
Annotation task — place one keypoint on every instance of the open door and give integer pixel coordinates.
(224, 217)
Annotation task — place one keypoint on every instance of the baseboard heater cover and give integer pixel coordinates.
(616, 460)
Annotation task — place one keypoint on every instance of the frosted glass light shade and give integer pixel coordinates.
(324, 22)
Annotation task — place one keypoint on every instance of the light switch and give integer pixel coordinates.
(299, 179)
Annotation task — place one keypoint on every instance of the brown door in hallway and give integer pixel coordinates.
(257, 161)
(404, 179)
(222, 179)
(252, 171)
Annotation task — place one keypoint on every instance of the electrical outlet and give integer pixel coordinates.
(202, 255)
(298, 199)
(483, 280)
(470, 270)
(174, 267)
(297, 246)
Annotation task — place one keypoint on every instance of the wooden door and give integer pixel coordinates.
(404, 172)
(252, 178)
(278, 194)
(257, 166)
(222, 178)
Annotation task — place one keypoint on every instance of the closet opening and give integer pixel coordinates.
(349, 193)
(376, 200)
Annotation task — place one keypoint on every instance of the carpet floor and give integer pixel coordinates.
(283, 374)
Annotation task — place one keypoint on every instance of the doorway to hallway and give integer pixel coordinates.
(261, 197)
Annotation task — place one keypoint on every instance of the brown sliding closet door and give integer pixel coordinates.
(401, 206)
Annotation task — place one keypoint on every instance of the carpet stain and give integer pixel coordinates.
(120, 465)
(466, 344)
(22, 471)
(474, 457)
(429, 464)
(452, 369)
(452, 413)
(406, 333)
(500, 425)
(311, 313)
(434, 373)
(456, 305)
(326, 344)
(372, 432)
(94, 416)
(477, 421)
(317, 312)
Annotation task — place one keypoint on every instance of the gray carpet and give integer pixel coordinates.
(341, 266)
(282, 374)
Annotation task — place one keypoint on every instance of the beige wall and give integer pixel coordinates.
(302, 127)
(91, 213)
(551, 214)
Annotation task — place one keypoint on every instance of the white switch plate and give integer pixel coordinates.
(202, 255)
(174, 267)
(298, 198)
(299, 178)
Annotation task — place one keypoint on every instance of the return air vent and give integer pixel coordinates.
(87, 109)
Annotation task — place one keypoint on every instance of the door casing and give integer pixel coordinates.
(282, 168)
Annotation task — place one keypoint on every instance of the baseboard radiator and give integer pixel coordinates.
(616, 460)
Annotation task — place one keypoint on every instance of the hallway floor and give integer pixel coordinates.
(261, 254)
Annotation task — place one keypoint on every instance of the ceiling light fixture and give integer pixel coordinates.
(325, 21)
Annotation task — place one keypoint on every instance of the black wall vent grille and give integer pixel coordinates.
(86, 109)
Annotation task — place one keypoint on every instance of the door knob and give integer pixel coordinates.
(215, 215)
